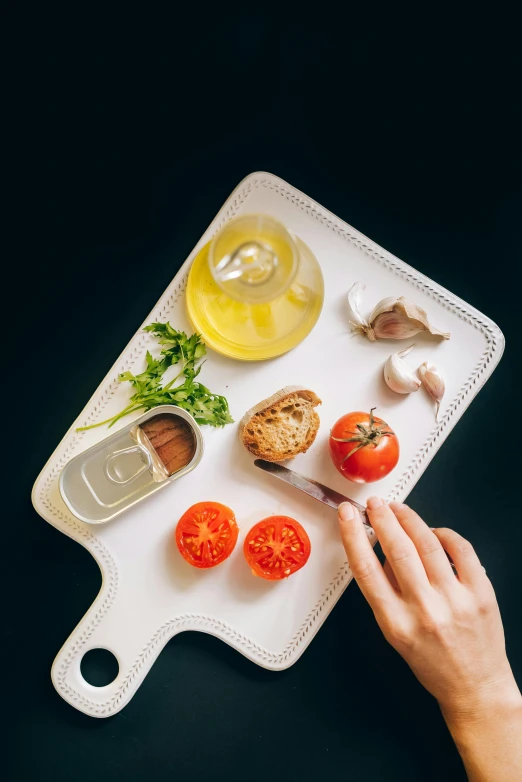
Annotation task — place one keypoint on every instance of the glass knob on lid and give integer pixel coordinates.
(253, 259)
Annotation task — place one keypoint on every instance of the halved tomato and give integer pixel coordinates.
(206, 534)
(276, 547)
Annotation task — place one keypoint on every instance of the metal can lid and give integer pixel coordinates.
(159, 447)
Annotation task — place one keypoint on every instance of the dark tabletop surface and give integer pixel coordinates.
(128, 137)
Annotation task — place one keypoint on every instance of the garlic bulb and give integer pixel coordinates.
(433, 382)
(392, 318)
(397, 374)
(399, 319)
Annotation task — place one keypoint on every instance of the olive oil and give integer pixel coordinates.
(247, 330)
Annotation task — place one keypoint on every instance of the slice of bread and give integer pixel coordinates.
(282, 426)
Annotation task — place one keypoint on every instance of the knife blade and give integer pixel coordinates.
(315, 489)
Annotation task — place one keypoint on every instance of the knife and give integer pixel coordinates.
(320, 492)
(315, 489)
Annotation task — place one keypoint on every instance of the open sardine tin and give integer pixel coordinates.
(123, 469)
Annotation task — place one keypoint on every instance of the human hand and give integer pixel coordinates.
(447, 628)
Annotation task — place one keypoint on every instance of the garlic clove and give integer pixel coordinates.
(392, 325)
(433, 382)
(398, 375)
(354, 307)
(395, 318)
(417, 314)
(385, 305)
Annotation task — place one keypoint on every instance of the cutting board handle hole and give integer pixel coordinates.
(99, 667)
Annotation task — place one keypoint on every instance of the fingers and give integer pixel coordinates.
(467, 564)
(433, 556)
(398, 548)
(390, 575)
(365, 566)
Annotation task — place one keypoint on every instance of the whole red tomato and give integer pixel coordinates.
(363, 448)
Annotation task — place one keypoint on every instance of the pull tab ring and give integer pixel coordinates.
(111, 475)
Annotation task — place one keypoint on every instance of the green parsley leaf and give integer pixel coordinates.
(191, 395)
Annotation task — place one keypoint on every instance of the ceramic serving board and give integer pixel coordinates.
(148, 593)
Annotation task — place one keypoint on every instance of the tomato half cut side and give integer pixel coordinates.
(206, 534)
(276, 547)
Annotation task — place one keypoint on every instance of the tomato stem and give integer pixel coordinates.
(367, 435)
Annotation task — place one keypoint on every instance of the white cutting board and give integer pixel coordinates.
(149, 594)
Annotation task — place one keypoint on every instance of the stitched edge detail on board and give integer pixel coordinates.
(202, 623)
(100, 401)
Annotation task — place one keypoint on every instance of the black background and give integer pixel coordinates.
(127, 136)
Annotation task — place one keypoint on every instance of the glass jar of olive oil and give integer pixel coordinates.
(256, 290)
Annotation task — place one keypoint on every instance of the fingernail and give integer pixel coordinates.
(345, 511)
(373, 503)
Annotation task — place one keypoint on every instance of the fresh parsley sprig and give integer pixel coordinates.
(191, 395)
